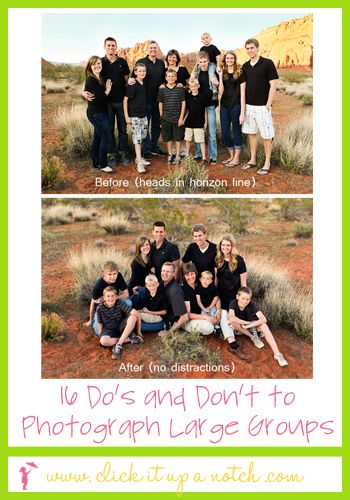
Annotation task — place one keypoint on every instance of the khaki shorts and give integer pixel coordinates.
(198, 134)
(258, 118)
(150, 318)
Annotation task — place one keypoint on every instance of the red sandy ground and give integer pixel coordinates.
(80, 177)
(79, 355)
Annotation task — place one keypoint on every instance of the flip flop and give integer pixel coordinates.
(232, 164)
(264, 171)
(247, 166)
(226, 161)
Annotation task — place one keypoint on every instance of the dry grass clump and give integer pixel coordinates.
(52, 327)
(55, 215)
(76, 129)
(115, 224)
(100, 243)
(292, 148)
(55, 87)
(183, 347)
(52, 173)
(284, 305)
(81, 214)
(86, 266)
(302, 230)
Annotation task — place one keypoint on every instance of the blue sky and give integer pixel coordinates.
(72, 38)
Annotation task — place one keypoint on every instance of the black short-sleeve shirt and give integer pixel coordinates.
(101, 284)
(204, 261)
(190, 296)
(155, 76)
(167, 252)
(99, 104)
(212, 50)
(229, 281)
(258, 80)
(248, 313)
(206, 294)
(116, 71)
(195, 105)
(182, 75)
(203, 79)
(175, 300)
(136, 100)
(138, 274)
(156, 303)
(232, 90)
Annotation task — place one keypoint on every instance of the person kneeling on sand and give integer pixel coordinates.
(116, 319)
(246, 318)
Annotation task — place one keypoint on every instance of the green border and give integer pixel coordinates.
(205, 451)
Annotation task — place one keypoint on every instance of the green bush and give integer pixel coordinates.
(302, 230)
(71, 73)
(52, 173)
(52, 327)
(294, 209)
(238, 214)
(294, 76)
(307, 100)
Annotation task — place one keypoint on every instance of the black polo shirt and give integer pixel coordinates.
(229, 281)
(212, 51)
(195, 105)
(156, 303)
(138, 274)
(207, 294)
(136, 100)
(182, 75)
(190, 296)
(248, 313)
(203, 79)
(155, 76)
(119, 285)
(204, 261)
(175, 300)
(167, 252)
(116, 71)
(258, 80)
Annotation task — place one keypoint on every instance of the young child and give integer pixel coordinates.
(135, 113)
(214, 59)
(152, 304)
(245, 317)
(172, 106)
(110, 277)
(206, 294)
(196, 118)
(116, 319)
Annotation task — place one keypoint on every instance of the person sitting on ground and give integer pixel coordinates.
(140, 265)
(207, 295)
(110, 277)
(116, 319)
(245, 317)
(151, 304)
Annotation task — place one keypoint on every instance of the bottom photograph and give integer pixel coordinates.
(177, 288)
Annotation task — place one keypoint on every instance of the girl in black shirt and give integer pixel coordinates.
(97, 113)
(140, 266)
(231, 80)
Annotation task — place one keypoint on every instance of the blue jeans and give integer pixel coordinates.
(116, 112)
(212, 145)
(153, 117)
(231, 130)
(101, 140)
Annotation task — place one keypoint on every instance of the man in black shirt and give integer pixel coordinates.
(260, 89)
(202, 252)
(163, 251)
(117, 70)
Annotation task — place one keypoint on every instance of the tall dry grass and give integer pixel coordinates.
(115, 224)
(77, 131)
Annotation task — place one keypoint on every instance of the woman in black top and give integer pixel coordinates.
(231, 79)
(140, 266)
(97, 113)
(172, 61)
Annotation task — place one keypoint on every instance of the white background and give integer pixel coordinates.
(317, 399)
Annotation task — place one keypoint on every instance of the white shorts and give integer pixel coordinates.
(139, 129)
(258, 118)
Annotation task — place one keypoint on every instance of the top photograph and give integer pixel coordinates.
(223, 105)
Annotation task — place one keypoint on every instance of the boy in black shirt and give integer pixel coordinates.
(152, 305)
(214, 58)
(245, 317)
(116, 319)
(207, 294)
(135, 113)
(196, 118)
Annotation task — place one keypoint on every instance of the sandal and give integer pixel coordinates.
(247, 166)
(233, 164)
(264, 171)
(226, 161)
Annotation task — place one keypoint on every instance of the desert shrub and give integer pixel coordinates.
(100, 244)
(55, 87)
(86, 266)
(183, 347)
(292, 149)
(238, 214)
(77, 132)
(291, 243)
(82, 214)
(294, 76)
(115, 224)
(284, 305)
(302, 230)
(294, 209)
(52, 172)
(55, 215)
(52, 327)
(178, 180)
(57, 72)
(47, 237)
(307, 100)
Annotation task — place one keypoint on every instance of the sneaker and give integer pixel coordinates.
(141, 168)
(237, 352)
(144, 161)
(112, 162)
(135, 339)
(117, 351)
(107, 169)
(255, 339)
(158, 152)
(147, 156)
(124, 160)
(169, 159)
(219, 333)
(212, 161)
(176, 160)
(205, 162)
(281, 359)
(197, 158)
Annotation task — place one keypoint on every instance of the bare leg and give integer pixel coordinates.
(268, 150)
(269, 338)
(169, 145)
(178, 148)
(129, 327)
(188, 147)
(237, 153)
(138, 152)
(202, 146)
(253, 142)
(107, 341)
